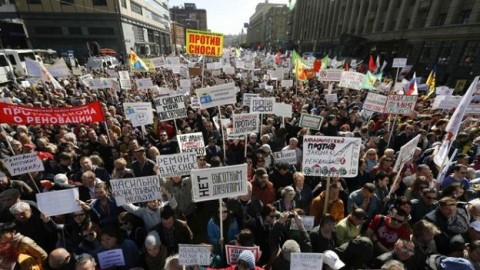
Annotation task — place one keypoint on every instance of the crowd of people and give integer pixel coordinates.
(370, 221)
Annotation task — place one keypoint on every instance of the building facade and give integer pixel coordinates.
(178, 37)
(262, 32)
(441, 33)
(190, 17)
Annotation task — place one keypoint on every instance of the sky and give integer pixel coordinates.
(226, 16)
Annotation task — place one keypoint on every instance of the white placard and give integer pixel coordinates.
(144, 83)
(310, 121)
(54, 203)
(282, 109)
(233, 252)
(184, 72)
(330, 75)
(247, 98)
(26, 84)
(406, 152)
(331, 156)
(184, 83)
(306, 261)
(287, 83)
(125, 82)
(308, 223)
(217, 95)
(399, 62)
(194, 102)
(140, 113)
(100, 83)
(261, 105)
(375, 102)
(446, 102)
(400, 104)
(352, 80)
(331, 97)
(111, 258)
(228, 70)
(443, 91)
(138, 189)
(218, 183)
(285, 156)
(214, 66)
(23, 163)
(249, 66)
(172, 61)
(170, 107)
(245, 123)
(177, 164)
(194, 254)
(158, 62)
(191, 142)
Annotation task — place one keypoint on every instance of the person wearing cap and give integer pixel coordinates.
(245, 261)
(26, 192)
(349, 227)
(282, 261)
(262, 188)
(154, 254)
(142, 166)
(331, 261)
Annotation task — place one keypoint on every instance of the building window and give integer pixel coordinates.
(441, 19)
(99, 2)
(446, 51)
(468, 56)
(123, 3)
(426, 52)
(101, 31)
(67, 2)
(464, 16)
(34, 2)
(48, 30)
(75, 30)
(136, 8)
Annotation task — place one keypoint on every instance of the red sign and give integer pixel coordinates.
(18, 114)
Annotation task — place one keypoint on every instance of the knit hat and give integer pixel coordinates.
(248, 257)
(290, 246)
(152, 240)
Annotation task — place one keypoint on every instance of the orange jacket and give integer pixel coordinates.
(336, 209)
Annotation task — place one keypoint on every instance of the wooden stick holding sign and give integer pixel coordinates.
(220, 210)
(222, 133)
(327, 193)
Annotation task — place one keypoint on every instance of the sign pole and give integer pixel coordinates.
(391, 131)
(223, 134)
(203, 69)
(327, 191)
(220, 220)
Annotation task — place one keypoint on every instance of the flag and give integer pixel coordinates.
(377, 64)
(299, 65)
(37, 69)
(412, 87)
(431, 84)
(454, 124)
(370, 80)
(325, 62)
(136, 62)
(371, 64)
(346, 66)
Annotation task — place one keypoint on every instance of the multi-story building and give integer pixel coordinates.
(277, 28)
(178, 37)
(117, 24)
(261, 29)
(190, 17)
(441, 33)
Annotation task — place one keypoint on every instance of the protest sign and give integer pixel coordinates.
(261, 105)
(125, 82)
(285, 156)
(112, 73)
(234, 251)
(204, 43)
(352, 80)
(218, 183)
(330, 75)
(240, 65)
(191, 142)
(214, 65)
(306, 261)
(308, 223)
(247, 97)
(138, 189)
(375, 102)
(406, 152)
(23, 163)
(172, 61)
(111, 258)
(177, 164)
(184, 83)
(217, 95)
(194, 102)
(183, 71)
(195, 71)
(282, 109)
(287, 83)
(400, 104)
(331, 97)
(443, 91)
(331, 156)
(194, 254)
(144, 83)
(170, 107)
(245, 123)
(54, 203)
(446, 102)
(228, 70)
(310, 121)
(140, 113)
(99, 83)
(158, 62)
(249, 66)
(399, 62)
(19, 114)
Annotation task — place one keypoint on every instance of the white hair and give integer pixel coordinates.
(70, 136)
(19, 207)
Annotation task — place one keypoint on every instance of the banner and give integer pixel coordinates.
(330, 75)
(375, 102)
(446, 102)
(282, 109)
(140, 113)
(245, 123)
(352, 80)
(19, 114)
(176, 164)
(138, 189)
(217, 95)
(170, 107)
(285, 156)
(331, 156)
(406, 152)
(204, 43)
(400, 104)
(306, 261)
(125, 82)
(247, 98)
(191, 142)
(23, 163)
(217, 183)
(54, 203)
(194, 254)
(310, 121)
(144, 83)
(261, 105)
(234, 251)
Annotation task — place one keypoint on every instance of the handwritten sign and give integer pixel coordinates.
(140, 113)
(194, 254)
(191, 142)
(158, 62)
(170, 107)
(262, 105)
(59, 202)
(308, 223)
(285, 156)
(138, 189)
(111, 258)
(306, 261)
(125, 82)
(282, 109)
(99, 83)
(234, 251)
(331, 156)
(352, 80)
(406, 152)
(247, 97)
(245, 123)
(400, 104)
(217, 95)
(375, 102)
(331, 97)
(217, 183)
(194, 103)
(176, 164)
(310, 121)
(23, 163)
(287, 83)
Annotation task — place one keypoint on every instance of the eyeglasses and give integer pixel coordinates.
(397, 220)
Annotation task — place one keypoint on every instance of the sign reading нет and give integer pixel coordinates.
(204, 43)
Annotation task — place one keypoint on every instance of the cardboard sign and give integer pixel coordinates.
(217, 95)
(176, 164)
(59, 202)
(144, 83)
(400, 104)
(375, 102)
(204, 43)
(111, 258)
(138, 189)
(331, 156)
(331, 97)
(23, 163)
(330, 75)
(406, 152)
(247, 97)
(170, 107)
(218, 183)
(399, 62)
(195, 71)
(125, 82)
(262, 105)
(191, 142)
(310, 121)
(285, 156)
(194, 254)
(282, 109)
(287, 83)
(234, 251)
(245, 123)
(352, 80)
(306, 261)
(140, 113)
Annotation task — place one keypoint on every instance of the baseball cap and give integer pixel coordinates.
(452, 263)
(331, 259)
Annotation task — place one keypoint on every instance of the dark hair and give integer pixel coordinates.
(8, 227)
(267, 209)
(400, 212)
(402, 200)
(113, 231)
(167, 212)
(380, 175)
(246, 238)
(327, 218)
(370, 187)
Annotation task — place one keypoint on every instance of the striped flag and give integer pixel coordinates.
(136, 62)
(412, 86)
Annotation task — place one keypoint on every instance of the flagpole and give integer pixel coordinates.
(203, 70)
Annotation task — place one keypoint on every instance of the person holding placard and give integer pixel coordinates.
(173, 231)
(181, 190)
(230, 229)
(111, 239)
(105, 206)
